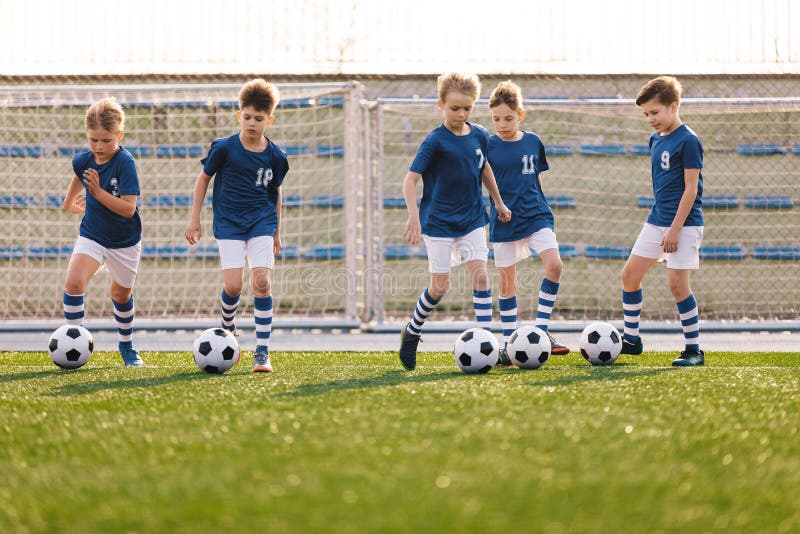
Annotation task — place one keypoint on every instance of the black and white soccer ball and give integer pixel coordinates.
(476, 351)
(216, 350)
(529, 347)
(600, 344)
(70, 346)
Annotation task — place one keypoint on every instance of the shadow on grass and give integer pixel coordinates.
(68, 390)
(389, 378)
(46, 373)
(601, 374)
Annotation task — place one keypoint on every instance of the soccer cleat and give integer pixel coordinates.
(261, 362)
(632, 348)
(556, 348)
(690, 358)
(408, 349)
(131, 357)
(502, 358)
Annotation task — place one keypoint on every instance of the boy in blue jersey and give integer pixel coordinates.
(111, 229)
(451, 162)
(248, 170)
(674, 227)
(517, 159)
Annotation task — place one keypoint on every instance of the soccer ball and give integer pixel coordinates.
(476, 351)
(216, 350)
(70, 346)
(600, 343)
(529, 347)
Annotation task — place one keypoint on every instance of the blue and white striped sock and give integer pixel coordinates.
(508, 316)
(123, 317)
(229, 307)
(482, 304)
(631, 310)
(547, 299)
(74, 309)
(690, 322)
(425, 306)
(263, 317)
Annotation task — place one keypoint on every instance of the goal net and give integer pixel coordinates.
(600, 189)
(169, 129)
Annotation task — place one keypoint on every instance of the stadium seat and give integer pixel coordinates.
(330, 150)
(21, 151)
(607, 253)
(335, 252)
(394, 202)
(52, 201)
(12, 253)
(289, 252)
(138, 105)
(796, 150)
(292, 201)
(720, 201)
(228, 104)
(559, 150)
(179, 151)
(646, 202)
(189, 104)
(169, 201)
(70, 150)
(333, 101)
(602, 150)
(17, 201)
(639, 150)
(296, 103)
(776, 253)
(760, 149)
(768, 201)
(207, 252)
(297, 150)
(722, 252)
(49, 252)
(397, 252)
(327, 201)
(139, 151)
(561, 201)
(165, 252)
(564, 250)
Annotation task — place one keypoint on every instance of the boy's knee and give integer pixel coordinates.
(553, 270)
(233, 289)
(439, 289)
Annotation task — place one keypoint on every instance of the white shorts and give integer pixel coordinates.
(648, 245)
(258, 251)
(447, 252)
(121, 263)
(508, 253)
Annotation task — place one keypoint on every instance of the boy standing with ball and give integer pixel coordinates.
(674, 227)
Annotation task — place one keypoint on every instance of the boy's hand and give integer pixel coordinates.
(276, 245)
(91, 180)
(413, 231)
(193, 232)
(503, 213)
(78, 205)
(670, 241)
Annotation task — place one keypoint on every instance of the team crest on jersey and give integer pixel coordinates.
(665, 160)
(114, 184)
(264, 176)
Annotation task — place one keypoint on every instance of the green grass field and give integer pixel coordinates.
(347, 442)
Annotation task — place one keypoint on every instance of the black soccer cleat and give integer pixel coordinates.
(502, 358)
(556, 348)
(632, 348)
(690, 358)
(408, 349)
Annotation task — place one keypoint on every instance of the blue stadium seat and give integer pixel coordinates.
(559, 150)
(602, 150)
(169, 201)
(21, 151)
(334, 101)
(607, 253)
(292, 201)
(760, 149)
(335, 252)
(567, 250)
(179, 151)
(70, 150)
(397, 252)
(52, 201)
(165, 252)
(306, 102)
(139, 151)
(561, 201)
(776, 253)
(722, 252)
(639, 150)
(208, 252)
(720, 201)
(796, 149)
(646, 202)
(191, 104)
(138, 105)
(768, 201)
(17, 201)
(394, 202)
(491, 253)
(330, 150)
(12, 253)
(599, 97)
(228, 104)
(289, 252)
(421, 252)
(297, 150)
(49, 252)
(327, 201)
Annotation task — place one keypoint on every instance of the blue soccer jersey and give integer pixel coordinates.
(451, 167)
(670, 155)
(118, 176)
(516, 166)
(245, 188)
